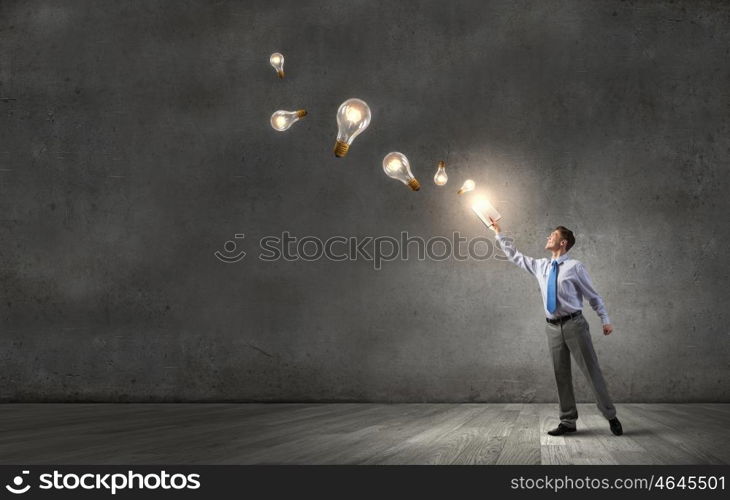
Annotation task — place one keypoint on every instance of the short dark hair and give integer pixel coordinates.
(566, 234)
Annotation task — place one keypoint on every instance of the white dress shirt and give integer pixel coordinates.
(573, 281)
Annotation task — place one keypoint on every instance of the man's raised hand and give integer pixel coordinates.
(494, 226)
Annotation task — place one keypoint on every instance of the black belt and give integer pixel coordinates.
(563, 319)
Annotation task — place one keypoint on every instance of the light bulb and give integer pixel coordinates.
(396, 166)
(469, 185)
(441, 178)
(277, 61)
(282, 120)
(353, 117)
(485, 211)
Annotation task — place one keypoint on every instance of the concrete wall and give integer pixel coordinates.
(135, 142)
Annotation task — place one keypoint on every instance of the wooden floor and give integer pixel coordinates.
(357, 434)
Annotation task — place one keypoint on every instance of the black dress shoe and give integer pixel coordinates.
(616, 426)
(560, 430)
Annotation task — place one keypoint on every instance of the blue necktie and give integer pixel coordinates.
(552, 291)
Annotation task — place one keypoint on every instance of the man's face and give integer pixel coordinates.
(553, 241)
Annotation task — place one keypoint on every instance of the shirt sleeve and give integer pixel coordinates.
(515, 256)
(590, 293)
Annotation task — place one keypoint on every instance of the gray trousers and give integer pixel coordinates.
(574, 337)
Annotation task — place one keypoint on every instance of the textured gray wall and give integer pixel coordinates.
(134, 142)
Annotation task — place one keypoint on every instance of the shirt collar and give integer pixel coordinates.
(560, 259)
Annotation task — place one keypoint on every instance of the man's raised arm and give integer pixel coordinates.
(514, 255)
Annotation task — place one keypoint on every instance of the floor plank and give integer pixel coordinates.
(523, 443)
(358, 433)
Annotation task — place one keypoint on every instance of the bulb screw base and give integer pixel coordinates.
(460, 191)
(414, 184)
(341, 149)
(301, 113)
(441, 164)
(280, 72)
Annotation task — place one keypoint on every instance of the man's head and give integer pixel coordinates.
(560, 238)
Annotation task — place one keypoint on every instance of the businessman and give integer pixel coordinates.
(564, 282)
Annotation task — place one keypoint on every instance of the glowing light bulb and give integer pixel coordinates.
(353, 117)
(441, 178)
(396, 166)
(468, 185)
(277, 61)
(282, 120)
(485, 211)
